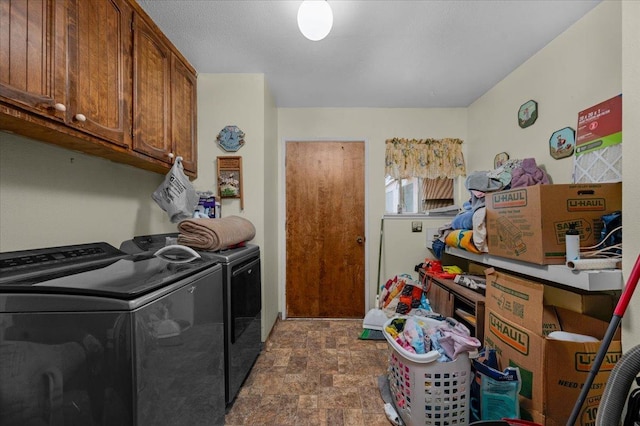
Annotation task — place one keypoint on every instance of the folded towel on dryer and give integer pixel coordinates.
(215, 234)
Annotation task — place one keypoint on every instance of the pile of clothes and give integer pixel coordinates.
(417, 335)
(470, 223)
(468, 230)
(520, 173)
(402, 295)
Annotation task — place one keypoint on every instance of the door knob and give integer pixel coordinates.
(359, 240)
(80, 117)
(60, 107)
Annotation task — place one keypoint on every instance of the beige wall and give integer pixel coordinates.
(50, 196)
(403, 249)
(631, 149)
(243, 100)
(236, 100)
(578, 69)
(270, 290)
(374, 126)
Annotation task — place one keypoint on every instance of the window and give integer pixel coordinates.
(419, 173)
(417, 195)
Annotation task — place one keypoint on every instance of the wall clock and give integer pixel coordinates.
(527, 114)
(231, 138)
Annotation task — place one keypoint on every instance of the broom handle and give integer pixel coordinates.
(379, 260)
(621, 307)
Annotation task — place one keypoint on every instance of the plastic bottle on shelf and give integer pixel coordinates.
(572, 239)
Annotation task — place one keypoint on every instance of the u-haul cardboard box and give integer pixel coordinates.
(597, 304)
(518, 300)
(530, 223)
(553, 371)
(524, 302)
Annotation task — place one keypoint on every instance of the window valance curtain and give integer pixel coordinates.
(424, 158)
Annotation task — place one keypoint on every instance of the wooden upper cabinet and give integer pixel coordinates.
(184, 117)
(97, 76)
(164, 99)
(100, 68)
(32, 56)
(151, 94)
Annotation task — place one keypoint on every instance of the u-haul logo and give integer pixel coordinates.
(513, 336)
(586, 204)
(517, 198)
(584, 360)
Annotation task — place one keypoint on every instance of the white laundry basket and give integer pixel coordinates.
(426, 391)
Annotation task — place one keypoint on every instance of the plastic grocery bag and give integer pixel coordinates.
(176, 194)
(494, 393)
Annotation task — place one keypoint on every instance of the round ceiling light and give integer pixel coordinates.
(315, 19)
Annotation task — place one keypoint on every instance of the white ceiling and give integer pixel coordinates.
(380, 53)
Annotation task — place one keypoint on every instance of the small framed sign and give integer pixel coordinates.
(230, 178)
(500, 159)
(562, 143)
(527, 114)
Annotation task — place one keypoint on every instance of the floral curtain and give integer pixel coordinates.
(424, 158)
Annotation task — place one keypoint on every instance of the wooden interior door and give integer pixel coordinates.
(325, 230)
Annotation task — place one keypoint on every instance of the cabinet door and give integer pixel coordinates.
(441, 300)
(32, 56)
(183, 114)
(100, 68)
(151, 102)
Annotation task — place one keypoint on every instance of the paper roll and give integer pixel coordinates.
(579, 264)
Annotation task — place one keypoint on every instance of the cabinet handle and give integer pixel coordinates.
(171, 155)
(60, 107)
(80, 117)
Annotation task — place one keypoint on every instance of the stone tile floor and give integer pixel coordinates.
(314, 372)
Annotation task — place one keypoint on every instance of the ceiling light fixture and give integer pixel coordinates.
(315, 19)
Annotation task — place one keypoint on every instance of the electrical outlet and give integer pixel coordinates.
(416, 226)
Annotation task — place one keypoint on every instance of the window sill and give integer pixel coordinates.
(417, 216)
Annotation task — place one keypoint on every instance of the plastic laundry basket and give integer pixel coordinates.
(426, 391)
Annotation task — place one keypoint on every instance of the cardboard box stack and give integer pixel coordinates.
(530, 223)
(553, 371)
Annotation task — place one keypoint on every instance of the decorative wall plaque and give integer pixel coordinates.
(230, 178)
